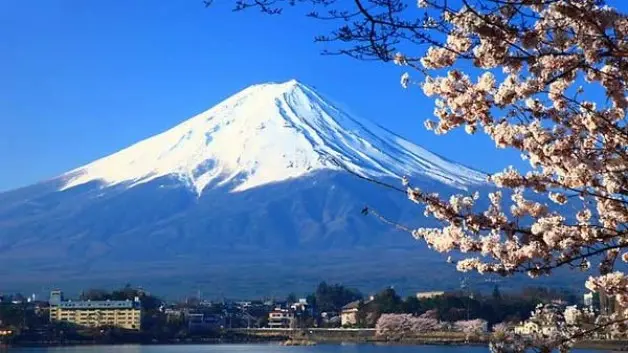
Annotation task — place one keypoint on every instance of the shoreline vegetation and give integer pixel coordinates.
(383, 319)
(306, 337)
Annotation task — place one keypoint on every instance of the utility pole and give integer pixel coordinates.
(464, 286)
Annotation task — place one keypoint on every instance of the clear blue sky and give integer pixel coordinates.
(82, 79)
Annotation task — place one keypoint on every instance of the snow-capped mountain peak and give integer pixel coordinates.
(264, 134)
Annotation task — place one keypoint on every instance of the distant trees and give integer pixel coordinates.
(459, 306)
(95, 294)
(331, 298)
(12, 315)
(149, 302)
(387, 301)
(291, 298)
(21, 316)
(497, 295)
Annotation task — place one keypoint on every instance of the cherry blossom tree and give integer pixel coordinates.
(501, 327)
(398, 326)
(550, 327)
(544, 77)
(471, 328)
(391, 324)
(430, 314)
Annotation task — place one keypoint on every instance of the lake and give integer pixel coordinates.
(351, 348)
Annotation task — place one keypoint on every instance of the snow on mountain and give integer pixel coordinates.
(265, 134)
(284, 201)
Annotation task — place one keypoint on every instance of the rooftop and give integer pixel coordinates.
(352, 305)
(98, 304)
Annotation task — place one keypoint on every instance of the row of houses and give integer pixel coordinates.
(288, 317)
(347, 317)
(282, 316)
(127, 314)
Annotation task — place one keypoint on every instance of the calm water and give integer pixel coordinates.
(260, 349)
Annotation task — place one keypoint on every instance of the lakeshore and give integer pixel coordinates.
(306, 337)
(445, 338)
(262, 348)
(327, 316)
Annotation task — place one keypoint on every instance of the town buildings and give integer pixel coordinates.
(201, 322)
(116, 313)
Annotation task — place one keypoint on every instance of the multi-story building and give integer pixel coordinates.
(429, 295)
(96, 313)
(281, 318)
(588, 300)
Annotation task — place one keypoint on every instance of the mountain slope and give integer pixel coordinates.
(247, 187)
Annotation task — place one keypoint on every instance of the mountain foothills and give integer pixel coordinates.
(252, 196)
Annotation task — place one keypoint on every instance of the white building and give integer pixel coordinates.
(528, 328)
(301, 305)
(349, 314)
(281, 318)
(588, 299)
(429, 295)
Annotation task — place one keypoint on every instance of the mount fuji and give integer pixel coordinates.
(258, 195)
(265, 134)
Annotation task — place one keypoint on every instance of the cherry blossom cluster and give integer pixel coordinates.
(539, 70)
(397, 326)
(471, 327)
(549, 327)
